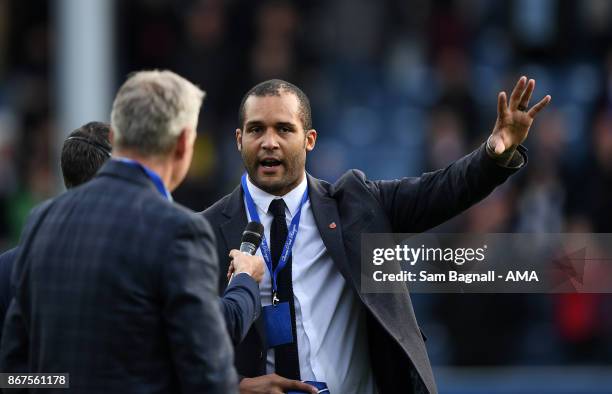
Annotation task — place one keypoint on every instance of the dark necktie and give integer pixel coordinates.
(287, 363)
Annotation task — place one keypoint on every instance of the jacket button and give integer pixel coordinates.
(260, 354)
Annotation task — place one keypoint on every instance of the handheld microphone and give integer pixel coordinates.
(251, 238)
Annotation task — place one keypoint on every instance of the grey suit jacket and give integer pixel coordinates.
(357, 205)
(117, 286)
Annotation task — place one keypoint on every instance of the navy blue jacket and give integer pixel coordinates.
(357, 205)
(241, 304)
(117, 286)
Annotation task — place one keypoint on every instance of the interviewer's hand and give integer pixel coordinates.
(515, 119)
(240, 262)
(273, 384)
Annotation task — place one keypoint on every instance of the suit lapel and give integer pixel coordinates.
(237, 220)
(232, 233)
(325, 211)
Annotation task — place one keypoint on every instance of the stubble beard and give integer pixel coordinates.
(293, 172)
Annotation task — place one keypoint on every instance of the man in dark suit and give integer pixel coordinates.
(355, 342)
(115, 283)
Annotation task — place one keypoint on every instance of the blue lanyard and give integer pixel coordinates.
(159, 184)
(265, 250)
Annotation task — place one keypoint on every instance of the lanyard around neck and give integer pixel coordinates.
(291, 235)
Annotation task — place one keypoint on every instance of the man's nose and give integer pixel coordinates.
(270, 139)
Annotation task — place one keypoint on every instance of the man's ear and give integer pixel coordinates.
(239, 140)
(311, 139)
(182, 143)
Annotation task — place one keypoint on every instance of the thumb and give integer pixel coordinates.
(288, 384)
(497, 143)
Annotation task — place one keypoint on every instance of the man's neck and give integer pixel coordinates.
(159, 165)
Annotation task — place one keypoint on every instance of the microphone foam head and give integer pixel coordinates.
(253, 233)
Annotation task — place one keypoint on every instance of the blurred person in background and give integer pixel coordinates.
(127, 300)
(84, 151)
(583, 320)
(355, 343)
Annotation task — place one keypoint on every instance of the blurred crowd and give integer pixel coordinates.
(397, 88)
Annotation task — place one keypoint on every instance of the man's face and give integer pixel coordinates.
(273, 142)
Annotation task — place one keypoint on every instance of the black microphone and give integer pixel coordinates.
(251, 238)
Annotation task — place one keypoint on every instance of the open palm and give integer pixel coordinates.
(514, 119)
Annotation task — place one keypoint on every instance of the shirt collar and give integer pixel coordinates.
(152, 175)
(292, 199)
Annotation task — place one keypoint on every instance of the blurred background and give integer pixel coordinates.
(397, 88)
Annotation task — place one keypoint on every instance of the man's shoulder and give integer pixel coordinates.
(351, 180)
(8, 255)
(351, 176)
(174, 217)
(6, 260)
(217, 208)
(120, 201)
(214, 213)
(187, 217)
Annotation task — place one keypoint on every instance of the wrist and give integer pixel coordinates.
(236, 273)
(502, 158)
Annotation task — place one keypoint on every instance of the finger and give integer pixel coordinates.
(524, 104)
(233, 253)
(539, 106)
(230, 270)
(501, 103)
(517, 92)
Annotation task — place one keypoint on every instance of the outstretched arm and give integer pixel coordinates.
(419, 203)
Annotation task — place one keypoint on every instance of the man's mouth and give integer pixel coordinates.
(270, 163)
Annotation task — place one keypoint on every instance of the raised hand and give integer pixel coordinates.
(514, 119)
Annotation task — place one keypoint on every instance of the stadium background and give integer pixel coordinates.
(397, 88)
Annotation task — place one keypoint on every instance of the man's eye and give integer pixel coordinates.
(255, 129)
(285, 129)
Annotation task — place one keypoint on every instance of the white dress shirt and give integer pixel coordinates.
(330, 320)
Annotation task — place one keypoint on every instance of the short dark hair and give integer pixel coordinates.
(274, 87)
(84, 151)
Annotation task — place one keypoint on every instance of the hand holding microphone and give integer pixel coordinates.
(245, 260)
